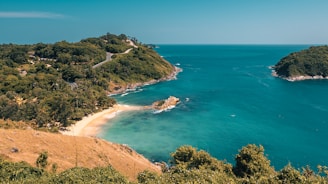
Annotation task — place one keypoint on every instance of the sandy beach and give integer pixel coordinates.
(90, 125)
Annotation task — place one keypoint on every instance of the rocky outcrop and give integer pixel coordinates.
(163, 105)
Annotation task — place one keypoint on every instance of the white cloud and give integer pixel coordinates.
(44, 15)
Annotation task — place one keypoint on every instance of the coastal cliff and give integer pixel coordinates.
(311, 63)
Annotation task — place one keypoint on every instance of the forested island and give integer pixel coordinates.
(53, 85)
(311, 63)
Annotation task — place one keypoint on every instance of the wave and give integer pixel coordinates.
(263, 83)
(255, 66)
(319, 107)
(127, 90)
(124, 94)
(131, 91)
(165, 110)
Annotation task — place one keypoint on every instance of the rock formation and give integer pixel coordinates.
(169, 103)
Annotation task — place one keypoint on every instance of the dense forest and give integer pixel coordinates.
(310, 62)
(53, 85)
(188, 165)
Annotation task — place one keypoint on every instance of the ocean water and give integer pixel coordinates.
(228, 99)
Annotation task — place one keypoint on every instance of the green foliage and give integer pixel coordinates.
(309, 62)
(18, 172)
(183, 154)
(190, 166)
(69, 74)
(42, 160)
(147, 177)
(140, 65)
(251, 162)
(54, 168)
(22, 172)
(54, 85)
(114, 48)
(197, 176)
(83, 175)
(195, 166)
(189, 158)
(67, 53)
(290, 175)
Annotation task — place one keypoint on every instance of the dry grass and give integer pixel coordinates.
(70, 151)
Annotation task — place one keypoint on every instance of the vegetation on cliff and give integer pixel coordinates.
(52, 85)
(310, 62)
(188, 166)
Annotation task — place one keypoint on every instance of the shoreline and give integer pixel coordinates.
(172, 76)
(304, 77)
(299, 78)
(90, 125)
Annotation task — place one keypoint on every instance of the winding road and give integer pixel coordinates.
(109, 55)
(108, 58)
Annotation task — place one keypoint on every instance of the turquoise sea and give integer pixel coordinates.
(229, 99)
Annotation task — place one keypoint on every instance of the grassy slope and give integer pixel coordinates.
(67, 151)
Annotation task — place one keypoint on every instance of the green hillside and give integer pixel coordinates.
(52, 85)
(310, 62)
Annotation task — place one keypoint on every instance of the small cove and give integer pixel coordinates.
(228, 99)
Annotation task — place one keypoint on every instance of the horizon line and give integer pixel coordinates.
(29, 14)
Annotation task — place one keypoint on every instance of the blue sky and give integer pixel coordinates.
(167, 21)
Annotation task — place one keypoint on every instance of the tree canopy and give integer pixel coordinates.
(192, 166)
(310, 62)
(52, 85)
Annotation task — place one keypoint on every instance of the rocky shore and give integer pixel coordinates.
(300, 77)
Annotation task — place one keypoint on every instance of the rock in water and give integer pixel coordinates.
(169, 103)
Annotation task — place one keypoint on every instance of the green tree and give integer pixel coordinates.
(83, 175)
(289, 175)
(147, 177)
(18, 56)
(251, 162)
(183, 154)
(42, 160)
(18, 172)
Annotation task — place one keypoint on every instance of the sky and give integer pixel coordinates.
(166, 21)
